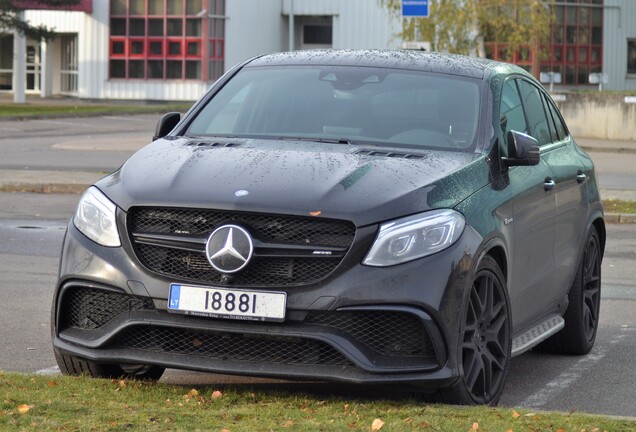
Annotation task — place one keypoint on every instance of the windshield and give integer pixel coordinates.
(345, 104)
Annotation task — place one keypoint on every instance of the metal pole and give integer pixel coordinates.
(291, 25)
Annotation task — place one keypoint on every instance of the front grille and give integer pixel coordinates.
(190, 263)
(263, 272)
(265, 227)
(228, 346)
(90, 308)
(390, 333)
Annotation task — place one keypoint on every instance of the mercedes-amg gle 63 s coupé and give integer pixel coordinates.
(371, 217)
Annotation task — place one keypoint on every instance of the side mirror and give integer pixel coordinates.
(522, 150)
(166, 124)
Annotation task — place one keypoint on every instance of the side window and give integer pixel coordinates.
(537, 120)
(511, 111)
(553, 134)
(560, 127)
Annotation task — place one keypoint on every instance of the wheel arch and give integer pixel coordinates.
(599, 224)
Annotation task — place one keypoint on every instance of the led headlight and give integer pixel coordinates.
(95, 218)
(415, 237)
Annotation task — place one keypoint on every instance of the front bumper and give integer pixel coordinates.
(393, 325)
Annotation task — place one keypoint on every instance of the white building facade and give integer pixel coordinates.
(175, 49)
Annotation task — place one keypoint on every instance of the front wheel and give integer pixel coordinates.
(582, 314)
(484, 354)
(72, 365)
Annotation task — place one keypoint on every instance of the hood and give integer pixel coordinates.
(289, 177)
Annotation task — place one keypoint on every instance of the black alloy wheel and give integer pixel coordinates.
(591, 288)
(484, 354)
(582, 315)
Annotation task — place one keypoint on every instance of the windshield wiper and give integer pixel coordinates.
(320, 140)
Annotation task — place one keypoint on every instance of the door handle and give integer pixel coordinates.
(580, 177)
(548, 184)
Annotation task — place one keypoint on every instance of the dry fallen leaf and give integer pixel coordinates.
(287, 424)
(23, 409)
(475, 427)
(193, 393)
(377, 425)
(121, 383)
(51, 384)
(515, 414)
(216, 394)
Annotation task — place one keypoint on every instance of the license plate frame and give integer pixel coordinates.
(229, 303)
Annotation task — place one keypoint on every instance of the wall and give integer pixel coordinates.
(599, 115)
(619, 24)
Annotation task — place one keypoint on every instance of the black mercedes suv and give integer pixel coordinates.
(378, 217)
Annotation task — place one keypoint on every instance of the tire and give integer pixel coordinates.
(485, 340)
(582, 314)
(72, 365)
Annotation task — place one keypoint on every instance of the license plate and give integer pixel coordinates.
(227, 303)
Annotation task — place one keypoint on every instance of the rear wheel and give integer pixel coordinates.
(72, 365)
(581, 317)
(484, 353)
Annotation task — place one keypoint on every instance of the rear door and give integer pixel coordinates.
(571, 211)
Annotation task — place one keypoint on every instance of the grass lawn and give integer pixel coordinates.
(25, 111)
(619, 206)
(30, 402)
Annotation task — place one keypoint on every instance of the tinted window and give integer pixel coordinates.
(560, 127)
(551, 126)
(533, 106)
(354, 104)
(511, 115)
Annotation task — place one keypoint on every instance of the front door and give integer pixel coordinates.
(33, 66)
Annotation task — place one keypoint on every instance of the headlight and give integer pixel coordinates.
(95, 218)
(415, 237)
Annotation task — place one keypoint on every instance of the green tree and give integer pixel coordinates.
(10, 20)
(462, 26)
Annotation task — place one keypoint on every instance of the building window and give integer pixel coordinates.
(576, 43)
(631, 56)
(167, 39)
(576, 48)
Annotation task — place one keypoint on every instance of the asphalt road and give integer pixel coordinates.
(32, 227)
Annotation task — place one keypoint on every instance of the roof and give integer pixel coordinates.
(454, 64)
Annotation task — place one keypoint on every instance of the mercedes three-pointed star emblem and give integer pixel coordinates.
(229, 248)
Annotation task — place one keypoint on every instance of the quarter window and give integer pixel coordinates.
(558, 123)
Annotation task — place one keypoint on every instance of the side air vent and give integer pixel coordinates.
(209, 144)
(389, 154)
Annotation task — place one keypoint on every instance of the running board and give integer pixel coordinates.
(533, 336)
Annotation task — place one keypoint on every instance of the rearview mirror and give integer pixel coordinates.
(522, 150)
(166, 124)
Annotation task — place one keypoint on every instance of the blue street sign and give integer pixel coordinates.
(415, 8)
